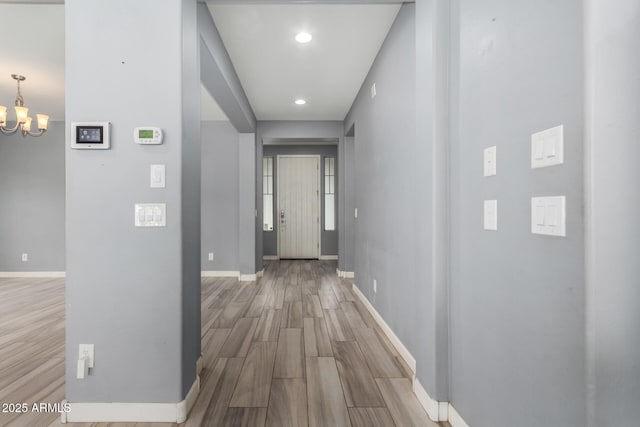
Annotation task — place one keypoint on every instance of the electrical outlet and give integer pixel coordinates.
(355, 213)
(374, 92)
(25, 257)
(210, 256)
(85, 351)
(375, 286)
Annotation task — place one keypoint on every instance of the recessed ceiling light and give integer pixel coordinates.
(300, 102)
(303, 37)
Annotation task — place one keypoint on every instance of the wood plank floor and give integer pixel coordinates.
(294, 349)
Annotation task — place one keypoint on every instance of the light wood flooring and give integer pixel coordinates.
(294, 349)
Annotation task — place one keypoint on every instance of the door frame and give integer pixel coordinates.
(319, 181)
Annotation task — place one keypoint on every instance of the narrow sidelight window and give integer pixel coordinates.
(329, 193)
(267, 193)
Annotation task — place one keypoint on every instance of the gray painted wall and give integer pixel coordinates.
(517, 299)
(220, 196)
(191, 146)
(613, 227)
(248, 213)
(133, 291)
(329, 239)
(32, 207)
(385, 184)
(287, 129)
(346, 204)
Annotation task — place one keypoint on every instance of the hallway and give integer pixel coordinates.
(294, 349)
(296, 346)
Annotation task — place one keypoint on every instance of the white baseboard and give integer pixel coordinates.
(31, 274)
(199, 365)
(437, 411)
(237, 274)
(132, 412)
(328, 257)
(345, 274)
(271, 257)
(455, 419)
(220, 274)
(404, 353)
(260, 273)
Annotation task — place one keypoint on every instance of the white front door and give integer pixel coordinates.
(298, 214)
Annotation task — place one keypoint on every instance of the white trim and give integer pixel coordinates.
(270, 257)
(328, 257)
(32, 274)
(345, 274)
(199, 365)
(132, 412)
(248, 277)
(260, 273)
(455, 419)
(437, 411)
(183, 408)
(220, 274)
(404, 353)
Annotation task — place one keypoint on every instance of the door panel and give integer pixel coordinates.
(298, 214)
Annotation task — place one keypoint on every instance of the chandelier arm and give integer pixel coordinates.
(34, 134)
(11, 131)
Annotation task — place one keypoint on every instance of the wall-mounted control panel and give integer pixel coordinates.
(147, 135)
(548, 215)
(151, 215)
(90, 135)
(547, 147)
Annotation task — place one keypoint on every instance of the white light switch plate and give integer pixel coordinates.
(491, 215)
(548, 215)
(157, 176)
(150, 215)
(547, 147)
(490, 167)
(86, 351)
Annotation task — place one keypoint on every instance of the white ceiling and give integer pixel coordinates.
(273, 68)
(327, 72)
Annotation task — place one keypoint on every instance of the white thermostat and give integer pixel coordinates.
(147, 135)
(90, 135)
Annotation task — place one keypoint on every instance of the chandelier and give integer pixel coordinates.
(23, 122)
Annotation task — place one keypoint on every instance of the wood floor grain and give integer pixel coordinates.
(371, 417)
(327, 407)
(288, 403)
(380, 361)
(403, 406)
(289, 355)
(359, 387)
(311, 306)
(254, 383)
(269, 325)
(245, 417)
(316, 338)
(295, 348)
(237, 345)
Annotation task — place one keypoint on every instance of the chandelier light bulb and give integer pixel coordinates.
(303, 37)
